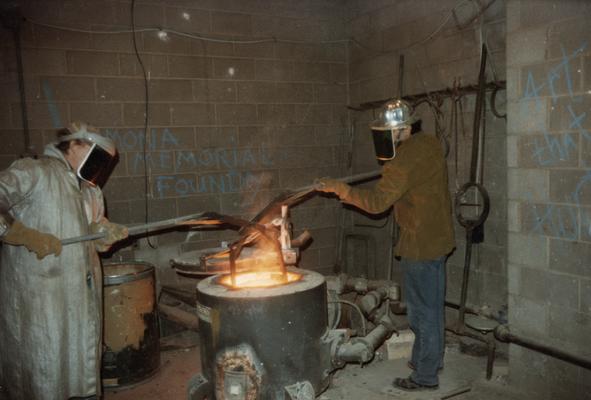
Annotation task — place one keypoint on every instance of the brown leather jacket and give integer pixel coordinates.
(415, 182)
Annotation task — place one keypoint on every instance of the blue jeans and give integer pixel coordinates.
(424, 289)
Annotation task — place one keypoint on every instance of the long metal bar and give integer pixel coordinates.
(370, 105)
(478, 116)
(139, 229)
(503, 334)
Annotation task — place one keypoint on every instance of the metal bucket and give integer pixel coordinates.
(131, 334)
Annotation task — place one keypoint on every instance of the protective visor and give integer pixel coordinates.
(384, 141)
(96, 166)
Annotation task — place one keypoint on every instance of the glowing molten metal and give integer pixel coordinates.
(260, 279)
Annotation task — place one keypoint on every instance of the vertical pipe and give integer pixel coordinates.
(465, 278)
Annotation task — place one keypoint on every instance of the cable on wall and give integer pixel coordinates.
(147, 167)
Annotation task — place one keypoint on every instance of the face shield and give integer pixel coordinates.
(101, 157)
(392, 119)
(96, 166)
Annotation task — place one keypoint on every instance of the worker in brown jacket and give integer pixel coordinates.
(414, 181)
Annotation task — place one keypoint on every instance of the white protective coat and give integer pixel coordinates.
(50, 309)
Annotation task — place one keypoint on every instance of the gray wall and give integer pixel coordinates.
(548, 147)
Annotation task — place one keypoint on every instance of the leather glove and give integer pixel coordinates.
(113, 233)
(40, 243)
(337, 187)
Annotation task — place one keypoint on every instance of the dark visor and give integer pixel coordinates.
(384, 144)
(96, 164)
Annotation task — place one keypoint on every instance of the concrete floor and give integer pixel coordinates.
(370, 382)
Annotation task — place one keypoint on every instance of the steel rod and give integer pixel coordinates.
(139, 229)
(503, 334)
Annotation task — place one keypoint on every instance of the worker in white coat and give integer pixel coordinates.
(50, 297)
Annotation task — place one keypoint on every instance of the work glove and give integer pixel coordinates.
(40, 243)
(113, 233)
(328, 185)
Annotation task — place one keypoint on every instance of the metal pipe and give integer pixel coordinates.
(503, 334)
(361, 350)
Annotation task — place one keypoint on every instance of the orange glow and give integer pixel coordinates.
(260, 279)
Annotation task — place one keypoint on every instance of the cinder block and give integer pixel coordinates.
(527, 116)
(169, 44)
(550, 220)
(59, 39)
(512, 151)
(114, 42)
(514, 279)
(146, 14)
(569, 115)
(133, 114)
(586, 73)
(528, 250)
(156, 65)
(256, 50)
(236, 114)
(187, 19)
(192, 114)
(334, 93)
(547, 287)
(215, 91)
(528, 317)
(253, 136)
(570, 186)
(257, 92)
(44, 61)
(267, 70)
(570, 257)
(158, 162)
(119, 212)
(70, 88)
(528, 184)
(41, 116)
(338, 73)
(190, 67)
(97, 114)
(548, 150)
(569, 36)
(291, 178)
(124, 188)
(310, 156)
(195, 204)
(157, 210)
(86, 12)
(233, 68)
(212, 49)
(579, 327)
(294, 93)
(170, 90)
(399, 346)
(231, 23)
(552, 79)
(5, 118)
(526, 46)
(527, 371)
(119, 89)
(167, 186)
(321, 114)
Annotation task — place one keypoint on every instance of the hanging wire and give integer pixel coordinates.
(147, 167)
(183, 34)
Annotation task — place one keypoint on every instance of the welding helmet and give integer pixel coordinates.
(393, 118)
(101, 157)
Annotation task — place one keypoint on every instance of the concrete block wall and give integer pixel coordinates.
(439, 47)
(231, 125)
(549, 137)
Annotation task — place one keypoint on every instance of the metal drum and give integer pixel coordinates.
(131, 333)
